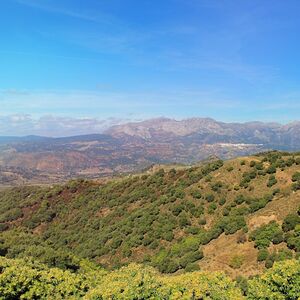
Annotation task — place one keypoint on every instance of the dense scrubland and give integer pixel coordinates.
(122, 239)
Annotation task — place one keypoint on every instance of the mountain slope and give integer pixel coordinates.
(206, 130)
(214, 216)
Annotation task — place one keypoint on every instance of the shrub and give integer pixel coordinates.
(209, 197)
(191, 267)
(190, 257)
(262, 254)
(269, 263)
(236, 261)
(296, 177)
(290, 222)
(179, 194)
(196, 194)
(168, 266)
(242, 283)
(193, 230)
(239, 199)
(277, 237)
(177, 209)
(11, 215)
(271, 169)
(202, 221)
(3, 227)
(231, 224)
(216, 187)
(168, 236)
(212, 207)
(272, 181)
(265, 234)
(222, 201)
(296, 186)
(184, 221)
(259, 166)
(226, 211)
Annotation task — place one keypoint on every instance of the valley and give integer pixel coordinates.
(132, 147)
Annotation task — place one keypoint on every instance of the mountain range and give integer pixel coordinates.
(137, 145)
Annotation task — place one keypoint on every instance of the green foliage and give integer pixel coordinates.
(290, 222)
(263, 254)
(242, 283)
(293, 239)
(115, 221)
(196, 194)
(272, 181)
(296, 181)
(24, 279)
(236, 261)
(11, 215)
(210, 197)
(281, 282)
(266, 234)
(296, 177)
(222, 201)
(296, 186)
(271, 169)
(216, 187)
(232, 224)
(212, 207)
(239, 199)
(136, 283)
(256, 204)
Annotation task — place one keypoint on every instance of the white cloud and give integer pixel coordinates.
(48, 125)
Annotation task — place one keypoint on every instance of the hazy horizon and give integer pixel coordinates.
(49, 126)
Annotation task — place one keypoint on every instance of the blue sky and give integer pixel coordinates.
(230, 60)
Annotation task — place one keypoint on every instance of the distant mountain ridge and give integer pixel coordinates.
(202, 131)
(136, 145)
(209, 129)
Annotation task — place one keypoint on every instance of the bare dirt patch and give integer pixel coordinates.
(219, 253)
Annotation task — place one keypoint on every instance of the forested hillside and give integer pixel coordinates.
(237, 216)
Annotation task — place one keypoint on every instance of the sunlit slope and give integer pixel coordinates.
(238, 216)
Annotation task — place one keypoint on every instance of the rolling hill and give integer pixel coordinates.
(237, 216)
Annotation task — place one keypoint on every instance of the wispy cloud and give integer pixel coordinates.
(110, 103)
(48, 125)
(47, 6)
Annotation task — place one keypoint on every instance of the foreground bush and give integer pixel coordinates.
(136, 282)
(25, 279)
(280, 282)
